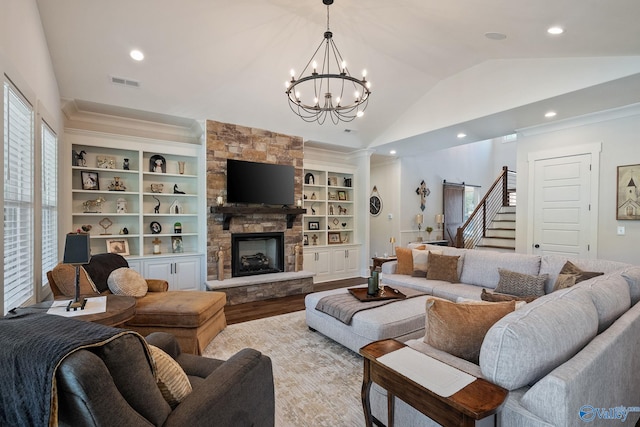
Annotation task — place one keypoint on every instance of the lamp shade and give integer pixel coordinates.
(76, 249)
(419, 219)
(439, 219)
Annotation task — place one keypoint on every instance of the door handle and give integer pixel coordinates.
(537, 246)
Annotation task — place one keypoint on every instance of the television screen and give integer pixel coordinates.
(259, 183)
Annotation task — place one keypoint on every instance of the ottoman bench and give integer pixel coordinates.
(402, 320)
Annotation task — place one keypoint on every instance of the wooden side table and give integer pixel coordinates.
(474, 402)
(378, 261)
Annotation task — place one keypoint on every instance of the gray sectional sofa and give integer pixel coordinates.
(569, 358)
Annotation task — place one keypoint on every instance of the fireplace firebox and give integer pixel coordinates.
(256, 253)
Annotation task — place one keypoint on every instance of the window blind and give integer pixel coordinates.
(18, 199)
(49, 167)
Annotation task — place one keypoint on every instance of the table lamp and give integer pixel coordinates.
(76, 253)
(419, 221)
(392, 241)
(440, 221)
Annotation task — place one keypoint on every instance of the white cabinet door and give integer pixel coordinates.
(353, 261)
(182, 273)
(317, 261)
(161, 268)
(339, 261)
(323, 265)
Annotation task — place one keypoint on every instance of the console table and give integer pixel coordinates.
(476, 401)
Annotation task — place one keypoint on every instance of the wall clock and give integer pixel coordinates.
(375, 202)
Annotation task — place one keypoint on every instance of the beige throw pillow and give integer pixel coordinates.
(442, 267)
(127, 281)
(170, 377)
(64, 276)
(459, 329)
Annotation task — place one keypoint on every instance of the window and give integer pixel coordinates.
(49, 167)
(18, 199)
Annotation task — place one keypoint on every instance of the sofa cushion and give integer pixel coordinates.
(442, 267)
(126, 281)
(178, 309)
(64, 276)
(405, 260)
(459, 329)
(100, 267)
(570, 274)
(529, 343)
(610, 295)
(519, 284)
(552, 264)
(481, 267)
(171, 378)
(632, 276)
(421, 261)
(498, 297)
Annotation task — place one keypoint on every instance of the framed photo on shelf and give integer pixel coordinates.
(176, 244)
(334, 237)
(628, 197)
(90, 180)
(158, 164)
(305, 240)
(333, 181)
(342, 195)
(314, 225)
(118, 246)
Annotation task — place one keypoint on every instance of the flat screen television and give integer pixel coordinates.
(259, 183)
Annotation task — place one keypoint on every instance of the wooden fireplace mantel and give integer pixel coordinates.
(229, 212)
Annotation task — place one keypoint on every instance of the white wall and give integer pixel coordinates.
(386, 177)
(618, 132)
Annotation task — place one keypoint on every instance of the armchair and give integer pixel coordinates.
(115, 385)
(193, 317)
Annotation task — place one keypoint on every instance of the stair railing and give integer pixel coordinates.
(501, 193)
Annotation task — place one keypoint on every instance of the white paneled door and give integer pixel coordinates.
(562, 206)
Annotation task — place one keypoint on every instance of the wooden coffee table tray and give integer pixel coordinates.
(389, 293)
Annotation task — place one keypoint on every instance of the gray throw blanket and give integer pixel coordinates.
(343, 306)
(32, 347)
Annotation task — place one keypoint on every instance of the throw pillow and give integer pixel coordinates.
(459, 329)
(171, 378)
(405, 260)
(520, 284)
(101, 265)
(64, 276)
(421, 261)
(127, 281)
(570, 274)
(442, 267)
(498, 297)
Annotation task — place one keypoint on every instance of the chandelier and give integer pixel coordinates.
(330, 91)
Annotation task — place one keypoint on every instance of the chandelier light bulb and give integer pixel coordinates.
(315, 66)
(287, 84)
(298, 95)
(337, 100)
(364, 74)
(357, 94)
(315, 101)
(344, 66)
(360, 114)
(293, 73)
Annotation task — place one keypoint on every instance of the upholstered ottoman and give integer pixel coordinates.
(402, 320)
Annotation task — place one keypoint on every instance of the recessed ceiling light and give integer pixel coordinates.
(462, 135)
(392, 152)
(550, 114)
(136, 54)
(555, 30)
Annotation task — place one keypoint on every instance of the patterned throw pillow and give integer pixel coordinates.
(498, 297)
(171, 378)
(459, 328)
(570, 275)
(443, 267)
(519, 284)
(127, 281)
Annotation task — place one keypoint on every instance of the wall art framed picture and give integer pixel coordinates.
(118, 246)
(334, 237)
(342, 195)
(90, 180)
(628, 196)
(314, 225)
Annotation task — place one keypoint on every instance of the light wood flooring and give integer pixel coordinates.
(272, 307)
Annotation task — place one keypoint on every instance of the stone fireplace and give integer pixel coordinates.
(256, 253)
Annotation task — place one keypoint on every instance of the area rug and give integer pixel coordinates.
(317, 381)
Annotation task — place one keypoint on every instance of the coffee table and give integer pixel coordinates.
(120, 309)
(476, 401)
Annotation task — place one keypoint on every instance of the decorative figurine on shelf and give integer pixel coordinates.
(93, 205)
(78, 158)
(341, 210)
(105, 223)
(315, 239)
(313, 211)
(157, 164)
(157, 188)
(177, 228)
(330, 209)
(347, 182)
(181, 167)
(176, 190)
(121, 206)
(124, 230)
(117, 184)
(85, 228)
(176, 207)
(156, 208)
(156, 246)
(125, 164)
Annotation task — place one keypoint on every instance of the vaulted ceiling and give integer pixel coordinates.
(434, 71)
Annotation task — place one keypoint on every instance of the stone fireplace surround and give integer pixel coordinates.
(228, 141)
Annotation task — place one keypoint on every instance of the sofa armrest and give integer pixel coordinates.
(157, 285)
(390, 267)
(239, 392)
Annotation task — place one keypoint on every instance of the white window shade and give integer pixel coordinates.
(18, 199)
(49, 167)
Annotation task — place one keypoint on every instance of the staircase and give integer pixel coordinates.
(492, 225)
(500, 235)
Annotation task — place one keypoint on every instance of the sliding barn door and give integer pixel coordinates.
(453, 209)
